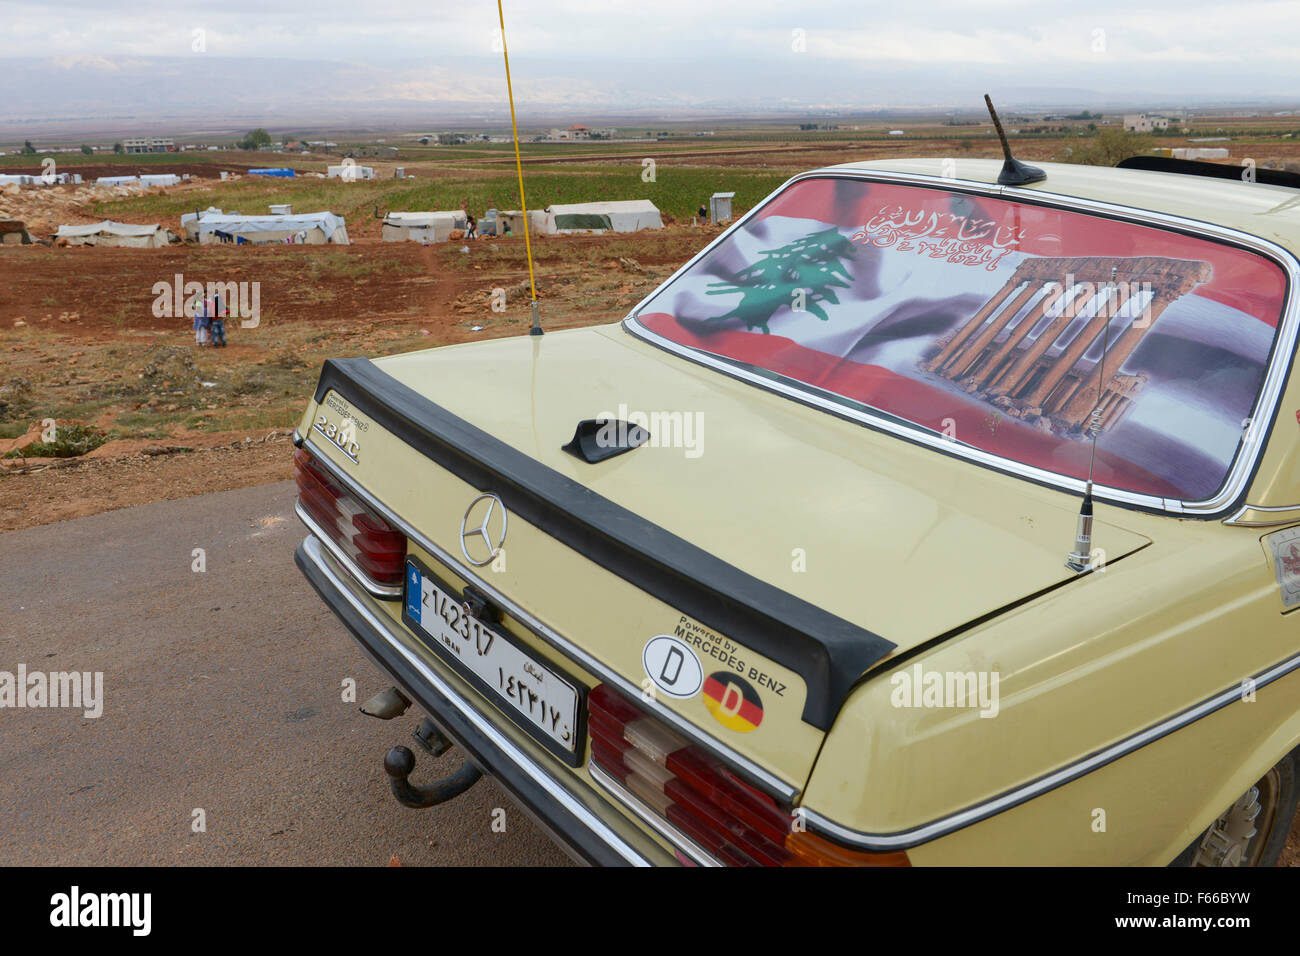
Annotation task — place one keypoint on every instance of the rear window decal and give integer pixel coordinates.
(953, 311)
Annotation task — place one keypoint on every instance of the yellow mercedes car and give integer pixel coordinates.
(922, 518)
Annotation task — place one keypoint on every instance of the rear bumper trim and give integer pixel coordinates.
(566, 817)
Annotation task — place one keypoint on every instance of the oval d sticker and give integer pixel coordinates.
(673, 666)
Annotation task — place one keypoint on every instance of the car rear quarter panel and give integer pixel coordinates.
(1113, 653)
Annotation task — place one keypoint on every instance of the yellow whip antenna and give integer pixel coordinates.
(536, 328)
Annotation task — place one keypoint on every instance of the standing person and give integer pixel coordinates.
(471, 226)
(703, 213)
(218, 321)
(202, 324)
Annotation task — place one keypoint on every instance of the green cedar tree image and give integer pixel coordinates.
(815, 263)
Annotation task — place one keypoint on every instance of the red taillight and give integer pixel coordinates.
(375, 546)
(737, 823)
(734, 821)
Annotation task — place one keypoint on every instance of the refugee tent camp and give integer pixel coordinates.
(422, 227)
(313, 228)
(109, 233)
(622, 216)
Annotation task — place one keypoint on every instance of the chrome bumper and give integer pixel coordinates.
(571, 817)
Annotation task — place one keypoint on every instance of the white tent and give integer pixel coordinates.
(1203, 152)
(190, 221)
(152, 179)
(623, 216)
(513, 219)
(109, 233)
(423, 227)
(39, 179)
(313, 228)
(357, 172)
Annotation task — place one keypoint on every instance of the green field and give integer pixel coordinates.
(677, 191)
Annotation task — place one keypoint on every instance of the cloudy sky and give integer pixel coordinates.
(757, 54)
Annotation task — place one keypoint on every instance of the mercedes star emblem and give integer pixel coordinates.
(484, 526)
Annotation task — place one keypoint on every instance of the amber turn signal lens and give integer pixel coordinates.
(808, 849)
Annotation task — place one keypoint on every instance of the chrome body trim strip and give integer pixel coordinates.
(981, 811)
(1286, 514)
(652, 819)
(382, 591)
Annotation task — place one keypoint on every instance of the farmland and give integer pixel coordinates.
(83, 342)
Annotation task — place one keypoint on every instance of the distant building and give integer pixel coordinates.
(574, 132)
(149, 144)
(1144, 122)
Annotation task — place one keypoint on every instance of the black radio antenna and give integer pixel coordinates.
(1080, 559)
(1014, 172)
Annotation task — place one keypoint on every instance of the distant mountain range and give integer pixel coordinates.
(84, 95)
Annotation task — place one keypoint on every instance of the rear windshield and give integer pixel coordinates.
(986, 320)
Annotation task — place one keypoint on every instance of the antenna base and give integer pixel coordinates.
(1079, 563)
(536, 328)
(1016, 173)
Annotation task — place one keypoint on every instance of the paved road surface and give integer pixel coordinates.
(222, 691)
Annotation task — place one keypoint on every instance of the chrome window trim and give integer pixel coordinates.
(760, 776)
(651, 819)
(381, 591)
(914, 836)
(1242, 469)
(472, 714)
(1286, 514)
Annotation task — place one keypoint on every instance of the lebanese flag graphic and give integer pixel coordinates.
(986, 320)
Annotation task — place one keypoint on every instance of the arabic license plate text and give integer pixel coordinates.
(539, 697)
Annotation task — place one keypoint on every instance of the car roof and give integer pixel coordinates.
(1270, 212)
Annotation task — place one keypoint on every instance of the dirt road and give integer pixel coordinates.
(221, 694)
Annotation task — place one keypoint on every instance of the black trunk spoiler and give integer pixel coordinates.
(828, 652)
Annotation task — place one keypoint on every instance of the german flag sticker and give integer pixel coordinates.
(733, 702)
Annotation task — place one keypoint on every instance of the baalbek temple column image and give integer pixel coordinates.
(1050, 379)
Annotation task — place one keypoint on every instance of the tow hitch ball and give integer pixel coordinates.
(399, 762)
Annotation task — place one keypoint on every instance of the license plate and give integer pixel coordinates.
(541, 700)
